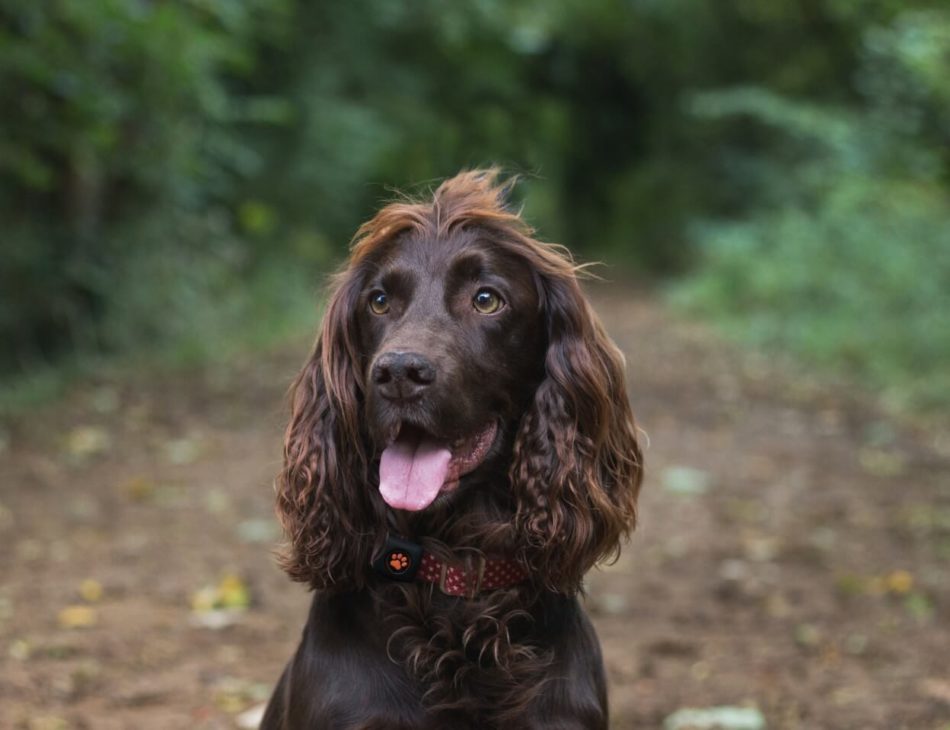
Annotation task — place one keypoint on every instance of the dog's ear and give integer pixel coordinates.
(577, 465)
(322, 490)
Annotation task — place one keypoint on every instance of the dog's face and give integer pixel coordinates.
(452, 336)
(456, 352)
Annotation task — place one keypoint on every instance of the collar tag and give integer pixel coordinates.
(399, 560)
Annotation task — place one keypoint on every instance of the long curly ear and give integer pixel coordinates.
(577, 465)
(323, 497)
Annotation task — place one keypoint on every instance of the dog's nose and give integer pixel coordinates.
(403, 375)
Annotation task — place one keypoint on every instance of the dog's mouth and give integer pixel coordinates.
(417, 466)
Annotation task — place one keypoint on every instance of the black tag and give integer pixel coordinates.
(399, 560)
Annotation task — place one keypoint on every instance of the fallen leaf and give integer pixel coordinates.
(258, 531)
(204, 599)
(183, 451)
(85, 441)
(233, 593)
(90, 590)
(77, 617)
(685, 481)
(897, 582)
(138, 489)
(230, 594)
(900, 581)
(230, 702)
(20, 650)
(720, 718)
(216, 619)
(612, 604)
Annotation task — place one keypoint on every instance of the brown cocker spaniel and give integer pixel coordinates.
(460, 452)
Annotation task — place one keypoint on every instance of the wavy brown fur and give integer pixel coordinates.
(469, 660)
(565, 501)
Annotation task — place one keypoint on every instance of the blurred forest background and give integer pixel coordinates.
(175, 176)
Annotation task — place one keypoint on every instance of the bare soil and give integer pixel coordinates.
(793, 552)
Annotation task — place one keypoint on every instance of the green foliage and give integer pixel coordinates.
(162, 163)
(861, 284)
(848, 259)
(117, 161)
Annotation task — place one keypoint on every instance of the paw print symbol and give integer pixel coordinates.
(398, 562)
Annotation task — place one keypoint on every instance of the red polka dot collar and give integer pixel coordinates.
(405, 561)
(454, 580)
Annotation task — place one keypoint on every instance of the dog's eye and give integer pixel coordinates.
(487, 302)
(379, 302)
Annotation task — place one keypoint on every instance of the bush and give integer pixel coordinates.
(118, 163)
(848, 260)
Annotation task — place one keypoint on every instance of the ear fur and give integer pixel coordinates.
(577, 466)
(323, 501)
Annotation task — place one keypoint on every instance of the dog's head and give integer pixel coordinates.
(458, 358)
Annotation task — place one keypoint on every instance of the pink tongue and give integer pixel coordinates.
(412, 470)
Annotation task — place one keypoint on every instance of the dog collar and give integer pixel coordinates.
(405, 561)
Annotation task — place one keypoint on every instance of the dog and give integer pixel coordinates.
(460, 452)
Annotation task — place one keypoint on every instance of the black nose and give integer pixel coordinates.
(402, 375)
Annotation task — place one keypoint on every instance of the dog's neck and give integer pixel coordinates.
(478, 519)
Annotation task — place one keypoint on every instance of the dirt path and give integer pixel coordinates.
(794, 552)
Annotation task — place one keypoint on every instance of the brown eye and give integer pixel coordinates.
(487, 302)
(379, 302)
